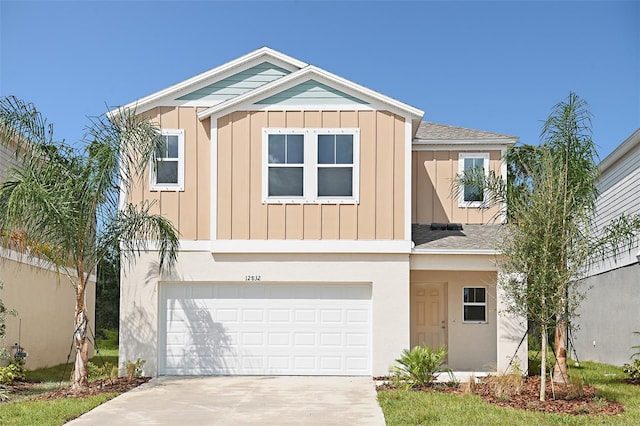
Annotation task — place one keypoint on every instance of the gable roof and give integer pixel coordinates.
(207, 78)
(222, 88)
(434, 132)
(306, 74)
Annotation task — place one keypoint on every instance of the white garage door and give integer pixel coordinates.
(265, 329)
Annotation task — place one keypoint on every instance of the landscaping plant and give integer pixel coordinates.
(550, 241)
(134, 369)
(419, 366)
(633, 369)
(61, 204)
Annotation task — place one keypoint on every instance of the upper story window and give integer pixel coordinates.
(311, 165)
(474, 304)
(167, 172)
(472, 195)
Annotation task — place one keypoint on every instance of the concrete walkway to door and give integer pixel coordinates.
(243, 400)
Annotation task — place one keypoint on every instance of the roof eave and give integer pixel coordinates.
(414, 113)
(623, 149)
(140, 104)
(484, 141)
(485, 252)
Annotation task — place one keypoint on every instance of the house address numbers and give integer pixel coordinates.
(252, 277)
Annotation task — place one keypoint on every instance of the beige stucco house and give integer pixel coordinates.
(43, 300)
(310, 211)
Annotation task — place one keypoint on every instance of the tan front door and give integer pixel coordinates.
(428, 316)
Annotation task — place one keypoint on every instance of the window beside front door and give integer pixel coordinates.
(474, 304)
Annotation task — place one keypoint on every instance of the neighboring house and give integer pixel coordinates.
(304, 203)
(610, 313)
(44, 302)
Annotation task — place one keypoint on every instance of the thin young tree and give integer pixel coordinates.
(551, 240)
(62, 202)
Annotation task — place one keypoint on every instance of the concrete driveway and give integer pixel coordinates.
(243, 400)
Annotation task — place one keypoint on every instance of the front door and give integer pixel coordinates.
(428, 316)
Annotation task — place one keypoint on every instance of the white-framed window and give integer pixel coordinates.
(471, 195)
(474, 304)
(167, 170)
(312, 165)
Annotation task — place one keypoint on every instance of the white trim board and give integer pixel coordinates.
(307, 73)
(211, 76)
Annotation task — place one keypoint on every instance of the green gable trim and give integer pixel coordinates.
(311, 93)
(237, 84)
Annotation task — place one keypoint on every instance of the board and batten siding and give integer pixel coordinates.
(188, 210)
(241, 214)
(432, 177)
(6, 161)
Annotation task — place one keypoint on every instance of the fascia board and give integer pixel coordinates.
(455, 251)
(323, 77)
(470, 142)
(465, 147)
(208, 77)
(623, 149)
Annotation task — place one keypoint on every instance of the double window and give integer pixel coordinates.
(472, 164)
(310, 165)
(474, 304)
(167, 171)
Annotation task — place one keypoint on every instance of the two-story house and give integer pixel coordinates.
(318, 231)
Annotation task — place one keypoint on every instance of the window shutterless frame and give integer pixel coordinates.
(310, 166)
(469, 160)
(167, 165)
(474, 305)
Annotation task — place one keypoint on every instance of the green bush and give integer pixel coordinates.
(12, 372)
(96, 372)
(633, 369)
(134, 369)
(419, 366)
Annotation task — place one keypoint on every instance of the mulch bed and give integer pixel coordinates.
(119, 385)
(529, 397)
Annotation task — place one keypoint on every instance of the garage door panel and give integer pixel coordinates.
(265, 329)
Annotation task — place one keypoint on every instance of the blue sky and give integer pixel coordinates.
(498, 66)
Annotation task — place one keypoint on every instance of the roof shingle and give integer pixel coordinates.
(443, 132)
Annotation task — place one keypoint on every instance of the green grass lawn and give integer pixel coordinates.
(427, 408)
(55, 412)
(24, 408)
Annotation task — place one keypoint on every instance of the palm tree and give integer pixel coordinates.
(62, 203)
(550, 199)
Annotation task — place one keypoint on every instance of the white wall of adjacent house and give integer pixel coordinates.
(293, 313)
(618, 186)
(608, 315)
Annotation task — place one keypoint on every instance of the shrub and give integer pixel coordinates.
(134, 369)
(509, 383)
(575, 388)
(12, 372)
(633, 369)
(96, 372)
(419, 366)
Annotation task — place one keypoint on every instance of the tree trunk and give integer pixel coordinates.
(543, 362)
(81, 370)
(560, 340)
